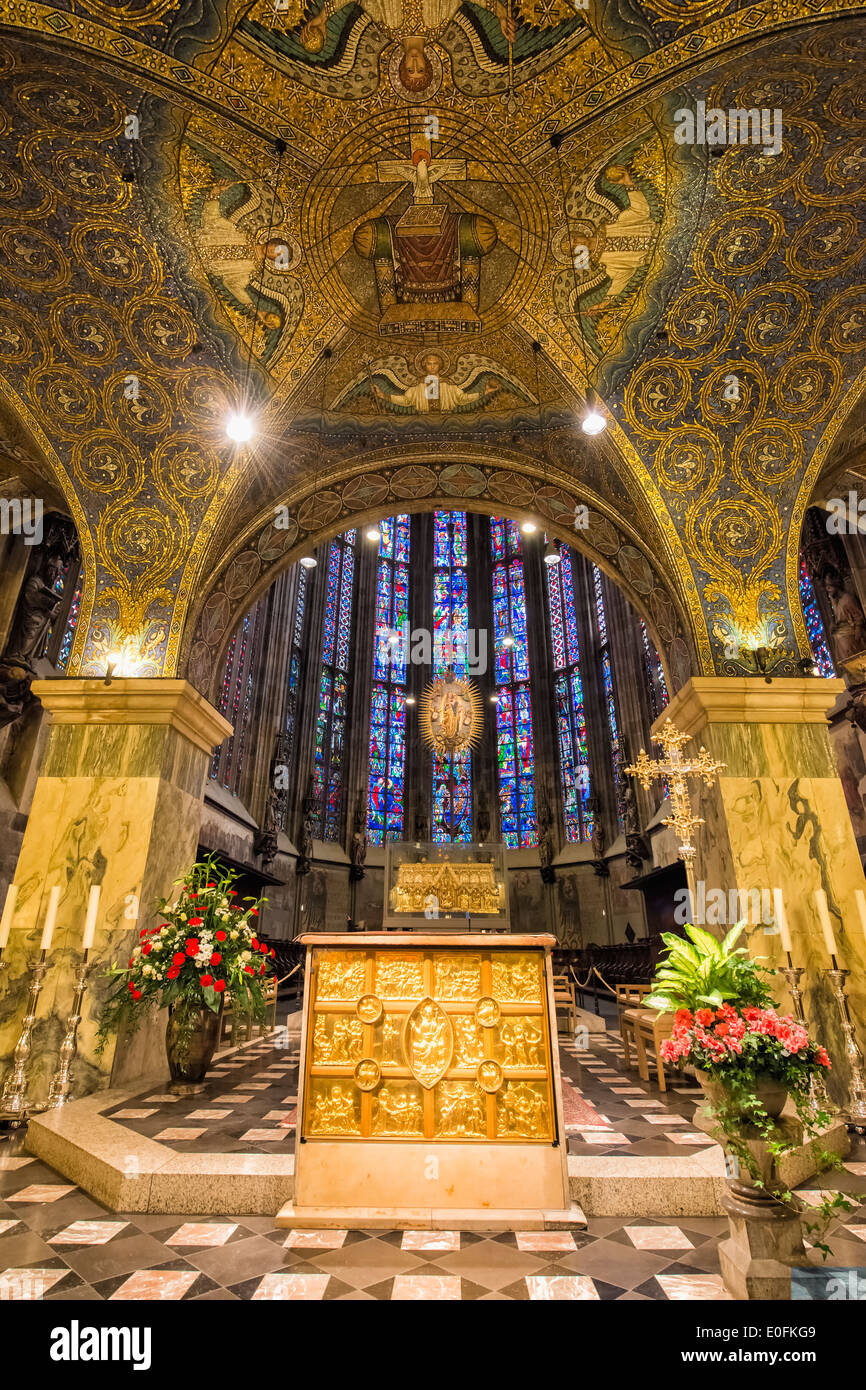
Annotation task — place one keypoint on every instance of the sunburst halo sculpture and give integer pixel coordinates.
(451, 714)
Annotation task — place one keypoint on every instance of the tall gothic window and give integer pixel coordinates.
(236, 697)
(568, 695)
(656, 685)
(609, 690)
(295, 663)
(511, 674)
(452, 772)
(328, 766)
(814, 625)
(388, 713)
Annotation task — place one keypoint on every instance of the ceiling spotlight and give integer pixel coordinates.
(373, 533)
(239, 427)
(529, 528)
(551, 554)
(508, 640)
(308, 562)
(593, 421)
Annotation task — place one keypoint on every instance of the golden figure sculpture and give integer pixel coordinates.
(468, 888)
(458, 977)
(341, 976)
(334, 1112)
(516, 979)
(428, 1041)
(398, 1110)
(521, 1042)
(469, 1044)
(489, 1075)
(521, 1111)
(398, 978)
(462, 1113)
(390, 1042)
(367, 1074)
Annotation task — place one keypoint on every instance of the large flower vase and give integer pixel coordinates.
(190, 1043)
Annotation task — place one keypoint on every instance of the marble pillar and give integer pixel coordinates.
(777, 818)
(118, 802)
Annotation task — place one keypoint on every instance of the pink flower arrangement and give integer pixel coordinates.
(723, 1039)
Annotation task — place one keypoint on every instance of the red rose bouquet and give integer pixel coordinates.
(204, 947)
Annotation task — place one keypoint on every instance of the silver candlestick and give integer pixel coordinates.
(793, 974)
(61, 1081)
(14, 1105)
(854, 1113)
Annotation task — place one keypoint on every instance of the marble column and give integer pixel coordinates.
(118, 802)
(776, 817)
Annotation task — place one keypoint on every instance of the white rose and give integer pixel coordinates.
(246, 955)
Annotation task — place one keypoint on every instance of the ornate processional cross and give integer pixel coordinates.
(677, 769)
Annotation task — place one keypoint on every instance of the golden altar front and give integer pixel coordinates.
(429, 1081)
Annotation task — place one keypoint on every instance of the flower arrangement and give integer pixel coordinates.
(205, 947)
(751, 1040)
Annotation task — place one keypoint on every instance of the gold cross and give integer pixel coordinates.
(677, 769)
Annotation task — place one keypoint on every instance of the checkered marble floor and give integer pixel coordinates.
(57, 1243)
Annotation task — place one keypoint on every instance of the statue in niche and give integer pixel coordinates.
(848, 633)
(598, 838)
(38, 605)
(545, 843)
(569, 912)
(265, 839)
(636, 849)
(483, 821)
(422, 824)
(358, 846)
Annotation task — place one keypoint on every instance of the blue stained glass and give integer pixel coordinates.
(511, 674)
(609, 692)
(71, 625)
(814, 625)
(568, 700)
(385, 811)
(452, 775)
(331, 716)
(657, 689)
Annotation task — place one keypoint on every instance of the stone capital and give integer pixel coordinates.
(135, 701)
(707, 700)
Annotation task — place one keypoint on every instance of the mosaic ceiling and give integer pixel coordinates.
(315, 210)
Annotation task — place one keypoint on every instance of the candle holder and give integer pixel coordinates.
(14, 1105)
(61, 1081)
(793, 974)
(854, 1113)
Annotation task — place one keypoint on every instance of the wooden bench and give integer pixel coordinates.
(563, 996)
(246, 1021)
(650, 1031)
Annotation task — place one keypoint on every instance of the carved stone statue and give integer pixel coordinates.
(422, 824)
(599, 840)
(265, 839)
(37, 606)
(636, 848)
(848, 633)
(545, 843)
(357, 854)
(483, 817)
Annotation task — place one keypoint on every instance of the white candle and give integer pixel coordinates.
(90, 920)
(50, 917)
(861, 908)
(779, 913)
(8, 914)
(826, 924)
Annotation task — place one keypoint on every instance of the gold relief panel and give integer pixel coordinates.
(341, 974)
(398, 1111)
(461, 1111)
(519, 1042)
(337, 1039)
(428, 1042)
(468, 1041)
(399, 977)
(523, 1111)
(457, 976)
(517, 978)
(334, 1108)
(386, 1041)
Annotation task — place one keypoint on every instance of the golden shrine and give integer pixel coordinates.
(428, 1079)
(453, 887)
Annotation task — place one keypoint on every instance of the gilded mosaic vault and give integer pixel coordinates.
(417, 221)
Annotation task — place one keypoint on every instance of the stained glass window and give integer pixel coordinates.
(609, 689)
(452, 773)
(814, 625)
(294, 676)
(511, 674)
(569, 701)
(71, 623)
(657, 688)
(329, 755)
(385, 798)
(236, 696)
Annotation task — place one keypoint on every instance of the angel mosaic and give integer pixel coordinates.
(390, 383)
(248, 256)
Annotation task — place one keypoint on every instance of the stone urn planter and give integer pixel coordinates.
(190, 1052)
(771, 1093)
